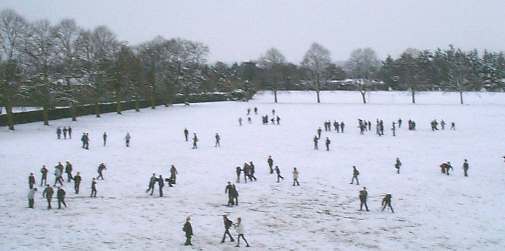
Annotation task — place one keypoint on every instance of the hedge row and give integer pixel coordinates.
(59, 113)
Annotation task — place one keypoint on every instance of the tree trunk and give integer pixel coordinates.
(317, 89)
(45, 114)
(413, 92)
(137, 108)
(97, 109)
(10, 116)
(73, 111)
(363, 93)
(275, 95)
(461, 96)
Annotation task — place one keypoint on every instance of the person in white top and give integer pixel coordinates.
(295, 177)
(31, 196)
(240, 230)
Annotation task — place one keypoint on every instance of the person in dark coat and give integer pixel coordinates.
(58, 133)
(227, 225)
(48, 194)
(278, 120)
(161, 184)
(152, 181)
(68, 171)
(229, 190)
(252, 170)
(466, 166)
(195, 140)
(447, 167)
(245, 169)
(93, 188)
(316, 140)
(342, 125)
(319, 132)
(65, 130)
(453, 126)
(70, 132)
(100, 169)
(363, 195)
(398, 164)
(278, 172)
(127, 139)
(104, 136)
(31, 197)
(327, 143)
(355, 174)
(186, 133)
(270, 162)
(173, 175)
(188, 230)
(31, 180)
(43, 179)
(60, 195)
(386, 202)
(238, 170)
(77, 182)
(235, 194)
(218, 140)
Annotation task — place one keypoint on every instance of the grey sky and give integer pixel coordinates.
(237, 30)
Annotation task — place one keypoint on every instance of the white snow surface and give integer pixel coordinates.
(432, 211)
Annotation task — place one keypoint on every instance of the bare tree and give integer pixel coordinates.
(66, 33)
(362, 64)
(272, 62)
(12, 28)
(316, 60)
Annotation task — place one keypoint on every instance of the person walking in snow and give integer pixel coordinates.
(57, 174)
(93, 188)
(447, 167)
(31, 197)
(218, 140)
(195, 140)
(296, 175)
(319, 132)
(453, 126)
(31, 181)
(336, 125)
(256, 110)
(43, 179)
(245, 169)
(100, 169)
(316, 141)
(161, 184)
(241, 231)
(186, 133)
(48, 194)
(188, 231)
(270, 162)
(327, 143)
(355, 174)
(152, 181)
(65, 131)
(77, 182)
(399, 123)
(394, 129)
(342, 125)
(229, 190)
(398, 164)
(227, 225)
(127, 139)
(240, 121)
(68, 171)
(386, 202)
(173, 175)
(238, 170)
(235, 194)
(466, 166)
(58, 133)
(278, 120)
(442, 124)
(70, 132)
(104, 137)
(278, 172)
(363, 195)
(60, 195)
(252, 170)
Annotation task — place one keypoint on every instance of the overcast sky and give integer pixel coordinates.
(238, 30)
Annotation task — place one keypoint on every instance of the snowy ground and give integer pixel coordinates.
(433, 212)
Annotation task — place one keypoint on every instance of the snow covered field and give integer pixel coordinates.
(433, 211)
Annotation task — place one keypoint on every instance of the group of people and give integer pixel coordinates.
(60, 193)
(446, 167)
(363, 194)
(434, 125)
(65, 131)
(316, 139)
(161, 182)
(248, 171)
(338, 126)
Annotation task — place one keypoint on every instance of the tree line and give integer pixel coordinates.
(64, 64)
